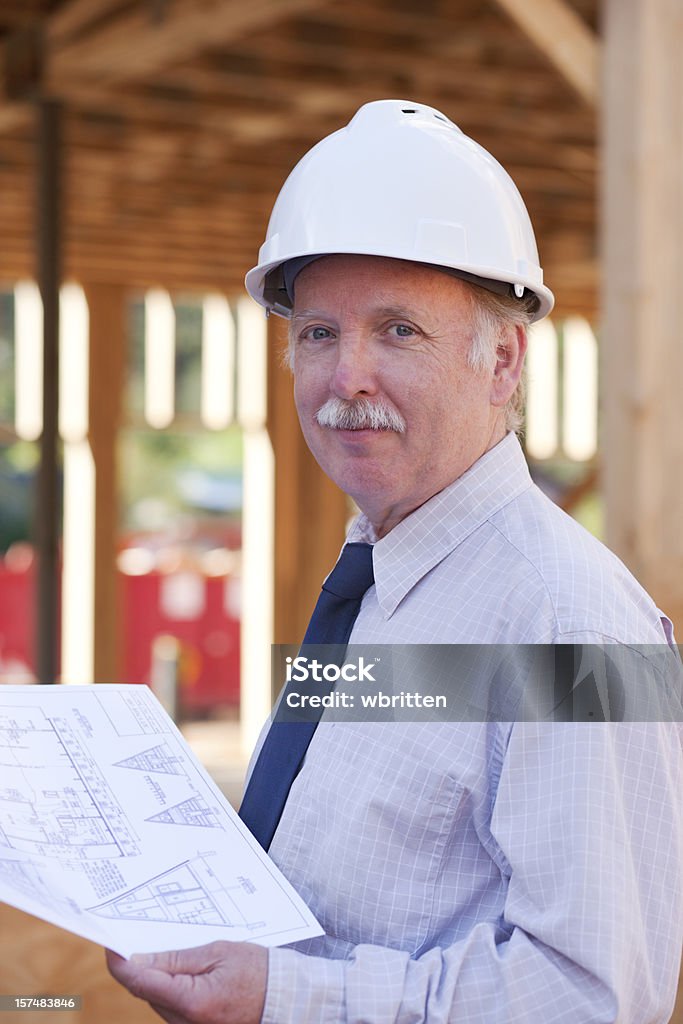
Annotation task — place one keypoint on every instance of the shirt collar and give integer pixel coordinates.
(432, 531)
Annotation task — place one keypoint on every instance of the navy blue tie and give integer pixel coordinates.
(287, 742)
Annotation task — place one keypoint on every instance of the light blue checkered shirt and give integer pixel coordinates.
(488, 873)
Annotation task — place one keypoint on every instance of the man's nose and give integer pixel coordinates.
(355, 372)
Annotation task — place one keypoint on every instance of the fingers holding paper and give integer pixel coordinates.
(221, 983)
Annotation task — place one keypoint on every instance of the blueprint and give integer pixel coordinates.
(111, 828)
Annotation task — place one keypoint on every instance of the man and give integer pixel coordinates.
(463, 871)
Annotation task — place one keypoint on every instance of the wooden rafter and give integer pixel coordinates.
(183, 117)
(137, 45)
(563, 37)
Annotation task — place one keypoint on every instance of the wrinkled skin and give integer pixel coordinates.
(222, 983)
(365, 326)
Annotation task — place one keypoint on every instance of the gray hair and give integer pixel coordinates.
(493, 317)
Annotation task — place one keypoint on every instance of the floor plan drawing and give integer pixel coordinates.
(110, 827)
(188, 893)
(193, 811)
(156, 759)
(53, 797)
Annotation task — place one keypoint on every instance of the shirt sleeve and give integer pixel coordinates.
(588, 828)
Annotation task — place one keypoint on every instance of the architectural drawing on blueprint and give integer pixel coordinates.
(54, 800)
(189, 893)
(130, 712)
(26, 878)
(157, 759)
(193, 811)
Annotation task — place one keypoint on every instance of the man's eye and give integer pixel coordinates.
(317, 333)
(403, 330)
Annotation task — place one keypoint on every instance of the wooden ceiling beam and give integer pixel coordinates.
(75, 17)
(179, 132)
(333, 74)
(136, 45)
(240, 237)
(296, 116)
(564, 38)
(330, 60)
(300, 98)
(150, 109)
(388, 26)
(21, 13)
(141, 152)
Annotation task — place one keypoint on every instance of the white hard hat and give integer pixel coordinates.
(401, 180)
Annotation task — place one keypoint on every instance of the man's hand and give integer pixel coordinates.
(222, 983)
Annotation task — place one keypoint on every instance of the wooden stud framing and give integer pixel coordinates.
(49, 264)
(642, 193)
(186, 26)
(106, 305)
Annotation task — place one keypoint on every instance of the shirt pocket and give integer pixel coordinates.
(381, 811)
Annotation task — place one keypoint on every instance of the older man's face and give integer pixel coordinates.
(396, 335)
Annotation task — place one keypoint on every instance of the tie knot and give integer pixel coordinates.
(352, 575)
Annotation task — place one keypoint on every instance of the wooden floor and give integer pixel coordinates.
(38, 958)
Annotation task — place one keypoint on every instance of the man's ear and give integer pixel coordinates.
(509, 363)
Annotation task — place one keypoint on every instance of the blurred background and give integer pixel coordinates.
(161, 520)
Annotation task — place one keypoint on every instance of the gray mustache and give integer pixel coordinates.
(360, 414)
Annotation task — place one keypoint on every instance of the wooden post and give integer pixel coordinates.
(642, 229)
(106, 305)
(47, 490)
(642, 336)
(310, 511)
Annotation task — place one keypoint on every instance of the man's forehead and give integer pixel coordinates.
(375, 310)
(373, 281)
